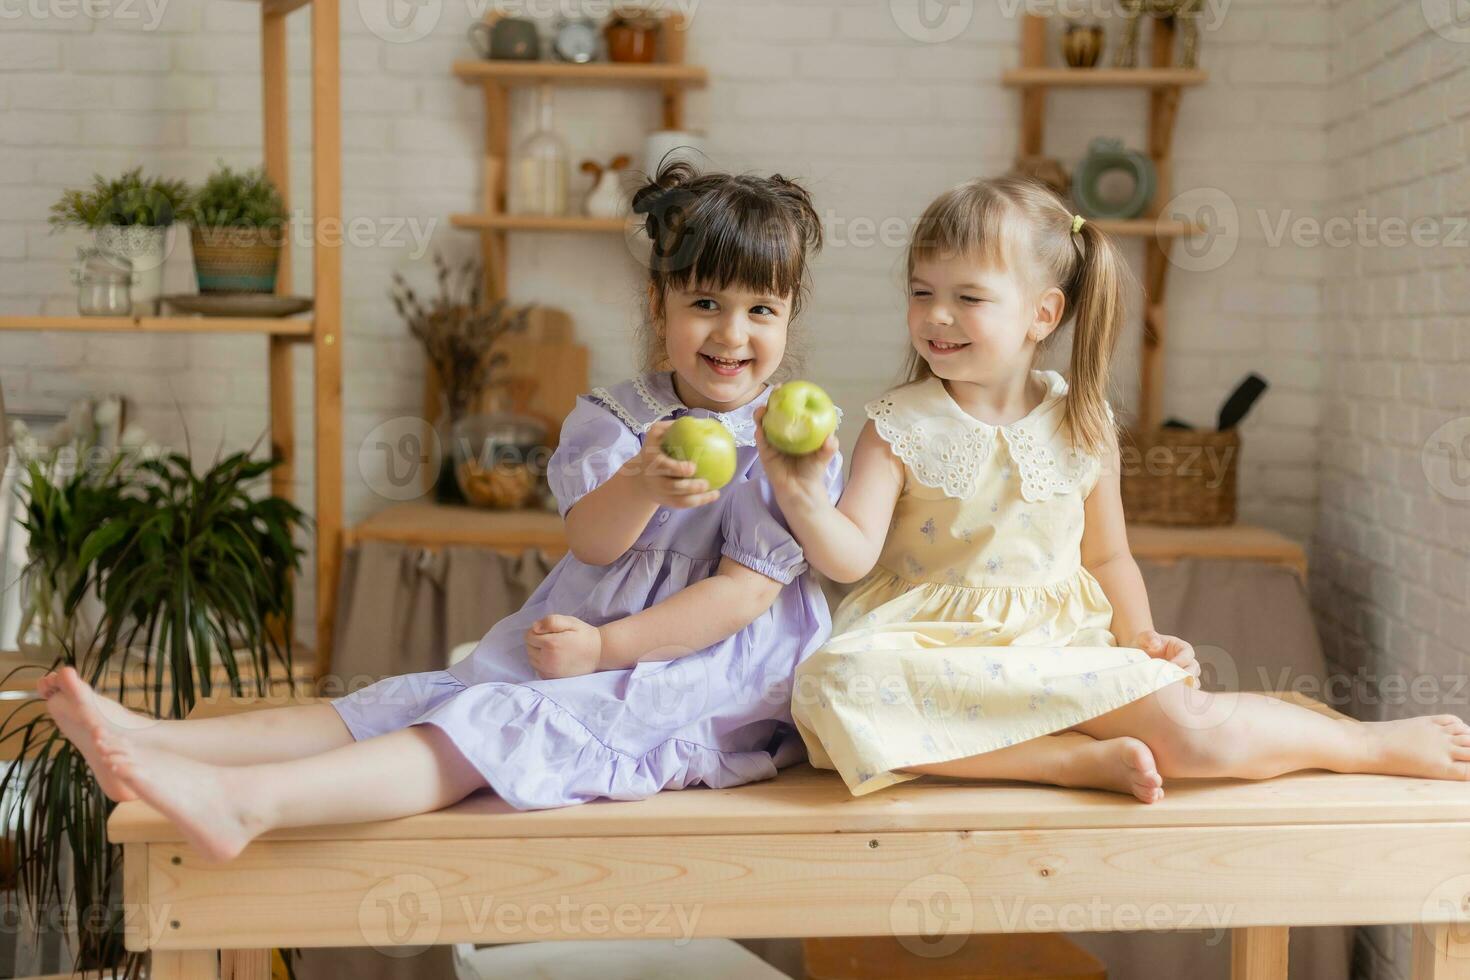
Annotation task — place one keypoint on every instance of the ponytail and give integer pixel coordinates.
(1098, 299)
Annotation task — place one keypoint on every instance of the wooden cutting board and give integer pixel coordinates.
(547, 359)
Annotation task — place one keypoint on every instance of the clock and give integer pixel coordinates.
(575, 41)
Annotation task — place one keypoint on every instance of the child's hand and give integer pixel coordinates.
(795, 478)
(563, 646)
(664, 480)
(1170, 648)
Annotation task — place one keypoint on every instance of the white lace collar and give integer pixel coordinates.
(945, 446)
(650, 398)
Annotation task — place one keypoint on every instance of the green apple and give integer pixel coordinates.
(799, 418)
(707, 444)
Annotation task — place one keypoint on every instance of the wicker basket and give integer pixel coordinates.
(1181, 477)
(236, 260)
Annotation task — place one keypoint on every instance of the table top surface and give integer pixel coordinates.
(803, 800)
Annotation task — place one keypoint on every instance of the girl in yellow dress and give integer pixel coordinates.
(984, 519)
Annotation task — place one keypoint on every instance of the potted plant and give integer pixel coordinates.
(92, 430)
(238, 222)
(193, 575)
(131, 216)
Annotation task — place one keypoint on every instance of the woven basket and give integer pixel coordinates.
(236, 260)
(1181, 477)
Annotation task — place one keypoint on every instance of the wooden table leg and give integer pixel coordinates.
(1259, 953)
(1441, 952)
(185, 964)
(245, 964)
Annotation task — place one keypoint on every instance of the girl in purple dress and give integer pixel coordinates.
(658, 653)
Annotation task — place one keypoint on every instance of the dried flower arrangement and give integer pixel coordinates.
(458, 330)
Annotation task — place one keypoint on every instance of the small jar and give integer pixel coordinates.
(104, 283)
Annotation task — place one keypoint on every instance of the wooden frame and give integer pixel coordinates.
(322, 328)
(1165, 84)
(798, 856)
(495, 79)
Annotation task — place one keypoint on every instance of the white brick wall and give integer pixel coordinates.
(1389, 581)
(833, 92)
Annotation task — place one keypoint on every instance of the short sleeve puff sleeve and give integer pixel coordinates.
(594, 445)
(755, 531)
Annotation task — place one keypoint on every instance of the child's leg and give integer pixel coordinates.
(240, 739)
(1254, 736)
(220, 809)
(1123, 765)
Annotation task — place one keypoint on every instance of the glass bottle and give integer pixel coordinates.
(541, 171)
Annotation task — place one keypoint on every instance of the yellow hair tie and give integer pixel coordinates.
(1077, 221)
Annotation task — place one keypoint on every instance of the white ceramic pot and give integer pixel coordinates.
(147, 248)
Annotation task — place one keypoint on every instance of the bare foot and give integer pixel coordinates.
(111, 710)
(1122, 765)
(208, 809)
(1431, 747)
(81, 717)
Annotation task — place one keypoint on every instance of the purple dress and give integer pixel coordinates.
(720, 716)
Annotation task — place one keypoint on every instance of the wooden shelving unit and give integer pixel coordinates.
(301, 328)
(322, 328)
(1164, 84)
(1037, 77)
(431, 525)
(670, 75)
(668, 72)
(533, 222)
(1240, 542)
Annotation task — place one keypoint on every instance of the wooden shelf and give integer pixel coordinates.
(1164, 83)
(1103, 77)
(534, 222)
(322, 328)
(1154, 542)
(431, 525)
(596, 73)
(1146, 228)
(1135, 228)
(275, 326)
(280, 8)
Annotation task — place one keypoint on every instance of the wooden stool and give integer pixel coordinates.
(1025, 956)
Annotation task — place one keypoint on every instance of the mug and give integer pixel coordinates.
(507, 39)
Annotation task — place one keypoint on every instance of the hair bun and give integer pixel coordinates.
(663, 199)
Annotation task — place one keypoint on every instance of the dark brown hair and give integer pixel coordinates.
(1020, 224)
(718, 230)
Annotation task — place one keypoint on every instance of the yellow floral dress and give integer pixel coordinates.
(979, 627)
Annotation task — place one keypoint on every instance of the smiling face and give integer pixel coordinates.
(722, 343)
(974, 321)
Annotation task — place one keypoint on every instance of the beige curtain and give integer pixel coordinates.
(401, 609)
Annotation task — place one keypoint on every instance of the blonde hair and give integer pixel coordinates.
(1019, 224)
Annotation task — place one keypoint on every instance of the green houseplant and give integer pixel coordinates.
(130, 216)
(238, 222)
(193, 574)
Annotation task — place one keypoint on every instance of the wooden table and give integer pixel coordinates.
(798, 856)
